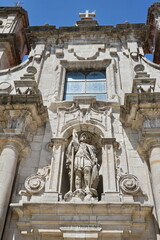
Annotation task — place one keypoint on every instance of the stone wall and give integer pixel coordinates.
(37, 128)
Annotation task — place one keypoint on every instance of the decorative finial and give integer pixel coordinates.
(87, 14)
(19, 3)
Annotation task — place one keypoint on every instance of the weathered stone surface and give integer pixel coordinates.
(37, 125)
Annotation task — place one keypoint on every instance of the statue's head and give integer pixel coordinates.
(84, 137)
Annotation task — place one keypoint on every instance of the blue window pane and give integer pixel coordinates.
(75, 76)
(68, 97)
(95, 75)
(75, 87)
(95, 87)
(86, 84)
(101, 97)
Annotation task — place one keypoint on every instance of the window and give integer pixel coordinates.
(86, 84)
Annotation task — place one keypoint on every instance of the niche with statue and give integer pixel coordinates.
(82, 179)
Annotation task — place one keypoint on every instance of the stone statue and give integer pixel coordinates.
(83, 167)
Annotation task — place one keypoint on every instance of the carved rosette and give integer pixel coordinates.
(129, 184)
(34, 184)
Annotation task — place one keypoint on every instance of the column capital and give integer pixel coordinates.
(18, 143)
(147, 143)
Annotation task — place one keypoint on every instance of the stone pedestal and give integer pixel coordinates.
(155, 172)
(8, 164)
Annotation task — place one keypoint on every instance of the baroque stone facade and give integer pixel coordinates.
(79, 129)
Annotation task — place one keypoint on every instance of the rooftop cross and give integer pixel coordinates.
(87, 14)
(19, 3)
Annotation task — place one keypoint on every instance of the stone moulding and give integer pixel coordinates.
(84, 64)
(17, 68)
(107, 220)
(136, 106)
(22, 113)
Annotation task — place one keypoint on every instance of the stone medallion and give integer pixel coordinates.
(34, 184)
(129, 184)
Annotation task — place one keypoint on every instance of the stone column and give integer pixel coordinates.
(8, 164)
(155, 172)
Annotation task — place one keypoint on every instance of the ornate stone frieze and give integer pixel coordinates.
(89, 113)
(35, 184)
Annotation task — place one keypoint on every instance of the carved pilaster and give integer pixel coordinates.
(109, 171)
(57, 164)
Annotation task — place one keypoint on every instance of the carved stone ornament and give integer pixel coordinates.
(5, 88)
(32, 70)
(129, 184)
(35, 183)
(86, 51)
(26, 87)
(49, 146)
(139, 68)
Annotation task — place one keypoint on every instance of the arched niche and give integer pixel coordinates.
(95, 137)
(92, 128)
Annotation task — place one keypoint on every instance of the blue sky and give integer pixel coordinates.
(65, 12)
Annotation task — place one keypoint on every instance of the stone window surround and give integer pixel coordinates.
(97, 65)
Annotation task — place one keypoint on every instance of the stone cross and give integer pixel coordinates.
(87, 14)
(19, 3)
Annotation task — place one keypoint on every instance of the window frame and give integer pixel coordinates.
(85, 80)
(84, 65)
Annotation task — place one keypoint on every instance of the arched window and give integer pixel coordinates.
(86, 84)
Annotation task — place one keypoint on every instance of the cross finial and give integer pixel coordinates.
(19, 3)
(87, 14)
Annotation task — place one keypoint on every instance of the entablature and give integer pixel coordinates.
(138, 107)
(138, 31)
(111, 217)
